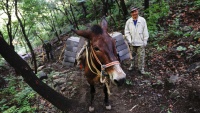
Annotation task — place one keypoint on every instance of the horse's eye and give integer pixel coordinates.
(96, 48)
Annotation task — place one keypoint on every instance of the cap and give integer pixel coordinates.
(133, 9)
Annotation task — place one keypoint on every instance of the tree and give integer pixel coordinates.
(25, 36)
(82, 3)
(146, 4)
(124, 9)
(31, 79)
(105, 7)
(73, 16)
(7, 8)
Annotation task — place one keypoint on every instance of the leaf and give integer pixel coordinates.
(181, 48)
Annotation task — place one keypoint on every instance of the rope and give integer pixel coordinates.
(87, 56)
(103, 67)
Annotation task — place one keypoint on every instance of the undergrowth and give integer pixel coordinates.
(17, 97)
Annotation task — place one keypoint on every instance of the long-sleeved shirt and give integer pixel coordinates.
(136, 35)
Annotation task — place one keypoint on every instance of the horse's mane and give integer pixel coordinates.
(97, 29)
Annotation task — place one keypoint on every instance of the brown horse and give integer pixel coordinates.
(101, 57)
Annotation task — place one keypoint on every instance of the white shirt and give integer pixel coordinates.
(136, 35)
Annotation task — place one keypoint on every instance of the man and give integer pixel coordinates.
(136, 34)
(48, 49)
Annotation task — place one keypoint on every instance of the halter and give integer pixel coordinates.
(103, 67)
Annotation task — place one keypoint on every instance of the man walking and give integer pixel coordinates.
(48, 49)
(136, 34)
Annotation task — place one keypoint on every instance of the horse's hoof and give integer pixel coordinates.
(108, 107)
(91, 109)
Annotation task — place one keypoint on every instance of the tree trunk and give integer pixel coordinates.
(105, 7)
(9, 24)
(84, 9)
(146, 4)
(26, 37)
(73, 16)
(95, 8)
(124, 9)
(54, 25)
(31, 79)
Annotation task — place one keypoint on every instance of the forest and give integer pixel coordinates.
(30, 83)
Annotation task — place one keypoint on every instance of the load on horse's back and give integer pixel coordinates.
(101, 61)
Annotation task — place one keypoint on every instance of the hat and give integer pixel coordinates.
(133, 9)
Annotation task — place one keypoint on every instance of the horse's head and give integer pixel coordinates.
(103, 47)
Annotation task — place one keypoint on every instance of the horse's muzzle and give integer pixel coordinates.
(119, 82)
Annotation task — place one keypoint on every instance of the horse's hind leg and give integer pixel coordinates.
(92, 92)
(106, 101)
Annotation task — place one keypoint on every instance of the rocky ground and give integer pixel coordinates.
(171, 85)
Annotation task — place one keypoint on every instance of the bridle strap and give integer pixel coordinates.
(109, 64)
(89, 65)
(103, 67)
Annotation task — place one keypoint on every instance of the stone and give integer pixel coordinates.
(173, 79)
(194, 67)
(40, 68)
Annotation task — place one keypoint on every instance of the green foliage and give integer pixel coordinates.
(2, 61)
(160, 48)
(181, 48)
(129, 82)
(197, 4)
(154, 13)
(17, 97)
(174, 29)
(197, 49)
(195, 34)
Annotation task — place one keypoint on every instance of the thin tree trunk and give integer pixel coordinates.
(124, 9)
(31, 79)
(9, 24)
(54, 26)
(146, 4)
(84, 8)
(95, 8)
(65, 12)
(105, 7)
(76, 24)
(26, 37)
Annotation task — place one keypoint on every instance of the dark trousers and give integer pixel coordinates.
(49, 53)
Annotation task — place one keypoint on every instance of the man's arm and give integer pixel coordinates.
(145, 33)
(127, 33)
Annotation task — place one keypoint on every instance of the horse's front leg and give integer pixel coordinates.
(92, 92)
(106, 101)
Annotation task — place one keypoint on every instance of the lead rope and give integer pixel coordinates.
(103, 67)
(98, 73)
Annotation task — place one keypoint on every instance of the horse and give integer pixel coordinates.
(101, 63)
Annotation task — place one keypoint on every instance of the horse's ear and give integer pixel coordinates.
(104, 24)
(83, 33)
